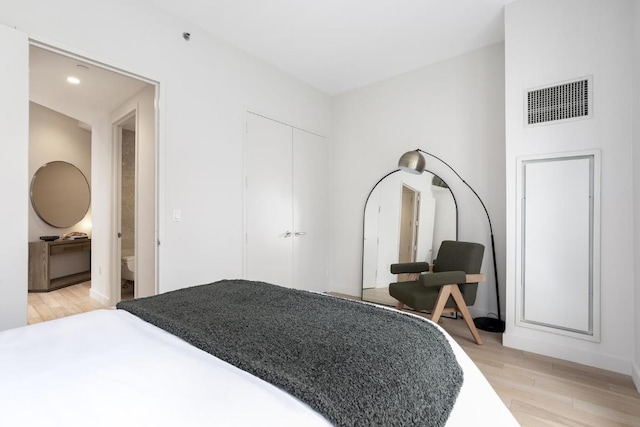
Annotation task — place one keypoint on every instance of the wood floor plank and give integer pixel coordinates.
(530, 393)
(43, 306)
(45, 312)
(565, 417)
(613, 413)
(49, 299)
(628, 390)
(32, 315)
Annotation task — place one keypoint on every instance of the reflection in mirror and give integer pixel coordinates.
(406, 217)
(60, 194)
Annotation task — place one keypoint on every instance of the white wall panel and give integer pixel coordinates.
(556, 240)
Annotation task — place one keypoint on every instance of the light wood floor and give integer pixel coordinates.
(60, 303)
(543, 391)
(539, 390)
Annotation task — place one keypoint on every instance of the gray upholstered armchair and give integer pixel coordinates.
(449, 285)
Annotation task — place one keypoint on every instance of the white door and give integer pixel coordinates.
(310, 200)
(269, 182)
(14, 174)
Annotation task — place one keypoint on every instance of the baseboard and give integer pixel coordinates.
(99, 297)
(636, 376)
(571, 354)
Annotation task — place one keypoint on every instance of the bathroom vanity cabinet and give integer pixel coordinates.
(40, 254)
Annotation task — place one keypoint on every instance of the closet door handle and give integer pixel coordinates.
(300, 233)
(287, 234)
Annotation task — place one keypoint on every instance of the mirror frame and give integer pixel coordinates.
(364, 210)
(43, 215)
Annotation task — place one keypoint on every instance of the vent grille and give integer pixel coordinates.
(559, 102)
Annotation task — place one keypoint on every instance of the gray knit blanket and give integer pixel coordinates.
(357, 364)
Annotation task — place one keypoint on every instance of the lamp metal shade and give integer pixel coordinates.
(412, 162)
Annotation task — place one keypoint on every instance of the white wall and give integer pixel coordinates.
(575, 38)
(205, 88)
(636, 190)
(14, 175)
(453, 109)
(53, 137)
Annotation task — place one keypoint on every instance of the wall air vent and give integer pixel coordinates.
(559, 102)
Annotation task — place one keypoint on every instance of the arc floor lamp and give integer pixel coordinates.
(414, 162)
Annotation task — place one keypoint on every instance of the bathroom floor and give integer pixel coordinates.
(126, 292)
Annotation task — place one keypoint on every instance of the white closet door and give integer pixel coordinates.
(558, 241)
(269, 247)
(557, 246)
(310, 200)
(14, 175)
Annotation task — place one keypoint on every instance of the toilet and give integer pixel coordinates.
(128, 268)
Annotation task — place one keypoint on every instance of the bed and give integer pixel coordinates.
(111, 367)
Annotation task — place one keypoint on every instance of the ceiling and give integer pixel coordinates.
(339, 45)
(99, 91)
(333, 45)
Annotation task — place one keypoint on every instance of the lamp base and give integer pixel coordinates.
(489, 324)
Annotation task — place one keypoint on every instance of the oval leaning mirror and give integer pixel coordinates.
(60, 194)
(406, 217)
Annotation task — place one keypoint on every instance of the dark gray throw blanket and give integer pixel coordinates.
(357, 364)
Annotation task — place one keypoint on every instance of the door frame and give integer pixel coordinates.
(111, 298)
(116, 293)
(415, 207)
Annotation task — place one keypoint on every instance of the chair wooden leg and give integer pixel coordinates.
(462, 306)
(443, 296)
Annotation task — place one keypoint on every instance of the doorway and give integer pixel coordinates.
(408, 227)
(100, 100)
(125, 161)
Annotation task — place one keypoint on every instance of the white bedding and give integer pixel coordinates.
(108, 367)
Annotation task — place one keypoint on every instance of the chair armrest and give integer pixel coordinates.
(443, 278)
(409, 267)
(476, 277)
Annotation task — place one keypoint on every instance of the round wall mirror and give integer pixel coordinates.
(60, 194)
(406, 218)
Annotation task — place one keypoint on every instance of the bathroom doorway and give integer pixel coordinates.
(135, 218)
(103, 98)
(409, 210)
(126, 203)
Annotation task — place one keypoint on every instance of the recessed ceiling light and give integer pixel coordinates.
(73, 80)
